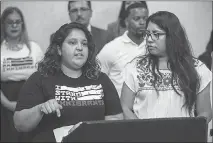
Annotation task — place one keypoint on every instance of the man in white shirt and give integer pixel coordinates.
(117, 53)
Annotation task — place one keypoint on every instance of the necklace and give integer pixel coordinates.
(14, 47)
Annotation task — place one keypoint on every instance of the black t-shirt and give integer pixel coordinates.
(11, 89)
(82, 99)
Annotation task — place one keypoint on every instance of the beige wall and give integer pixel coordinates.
(44, 17)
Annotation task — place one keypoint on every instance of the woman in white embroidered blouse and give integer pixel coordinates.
(169, 81)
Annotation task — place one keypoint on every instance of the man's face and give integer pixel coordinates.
(136, 21)
(80, 12)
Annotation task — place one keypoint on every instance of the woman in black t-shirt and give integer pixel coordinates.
(67, 88)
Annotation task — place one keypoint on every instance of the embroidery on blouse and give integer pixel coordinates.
(146, 79)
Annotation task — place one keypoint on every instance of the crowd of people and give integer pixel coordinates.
(141, 67)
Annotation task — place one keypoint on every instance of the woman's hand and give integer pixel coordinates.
(51, 106)
(12, 106)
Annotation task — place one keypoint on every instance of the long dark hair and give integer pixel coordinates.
(123, 13)
(24, 36)
(51, 64)
(180, 58)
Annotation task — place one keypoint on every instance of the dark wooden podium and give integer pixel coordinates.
(146, 130)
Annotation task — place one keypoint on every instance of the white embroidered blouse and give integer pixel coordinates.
(167, 103)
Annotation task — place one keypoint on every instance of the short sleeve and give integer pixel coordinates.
(111, 98)
(205, 75)
(39, 54)
(106, 58)
(30, 94)
(129, 76)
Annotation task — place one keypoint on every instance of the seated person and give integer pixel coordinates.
(67, 88)
(168, 81)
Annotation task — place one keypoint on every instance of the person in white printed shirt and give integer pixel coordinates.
(19, 56)
(169, 81)
(117, 53)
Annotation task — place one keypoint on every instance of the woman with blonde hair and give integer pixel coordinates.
(19, 56)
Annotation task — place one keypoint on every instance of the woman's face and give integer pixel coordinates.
(13, 25)
(74, 50)
(156, 40)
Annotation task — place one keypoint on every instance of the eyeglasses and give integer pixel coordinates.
(11, 22)
(82, 9)
(154, 36)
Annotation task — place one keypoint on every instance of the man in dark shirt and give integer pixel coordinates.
(81, 12)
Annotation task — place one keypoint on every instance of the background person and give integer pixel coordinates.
(117, 53)
(117, 28)
(19, 56)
